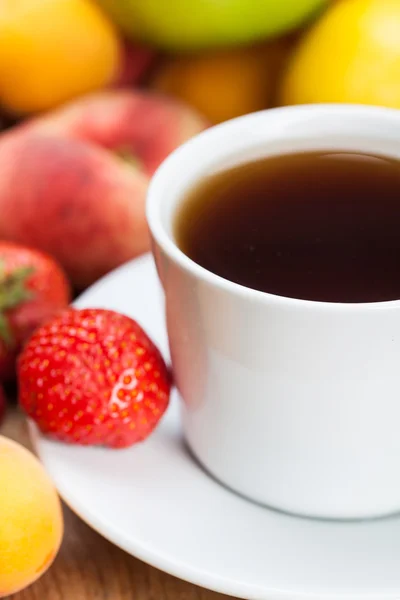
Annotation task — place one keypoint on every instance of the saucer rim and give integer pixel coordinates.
(185, 571)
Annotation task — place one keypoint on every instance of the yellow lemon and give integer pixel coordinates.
(352, 54)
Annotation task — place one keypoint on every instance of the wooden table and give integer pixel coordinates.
(90, 568)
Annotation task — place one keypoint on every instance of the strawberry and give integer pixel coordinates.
(93, 377)
(32, 288)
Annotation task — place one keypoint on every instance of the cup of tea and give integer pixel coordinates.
(277, 241)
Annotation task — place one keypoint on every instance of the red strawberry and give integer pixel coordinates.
(94, 377)
(32, 288)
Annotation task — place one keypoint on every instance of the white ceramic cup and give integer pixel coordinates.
(292, 403)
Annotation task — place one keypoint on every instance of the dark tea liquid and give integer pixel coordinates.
(315, 225)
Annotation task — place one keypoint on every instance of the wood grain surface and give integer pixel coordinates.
(90, 568)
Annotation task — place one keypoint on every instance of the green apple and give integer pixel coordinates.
(198, 24)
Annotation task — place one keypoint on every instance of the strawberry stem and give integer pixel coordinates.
(13, 289)
(13, 292)
(125, 154)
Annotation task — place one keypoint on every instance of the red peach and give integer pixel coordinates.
(144, 125)
(64, 190)
(73, 200)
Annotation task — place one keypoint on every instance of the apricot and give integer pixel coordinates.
(227, 83)
(31, 522)
(52, 51)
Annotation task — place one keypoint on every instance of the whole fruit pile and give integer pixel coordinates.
(94, 95)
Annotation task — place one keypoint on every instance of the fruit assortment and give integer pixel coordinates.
(94, 95)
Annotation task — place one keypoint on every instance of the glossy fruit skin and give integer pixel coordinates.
(199, 24)
(351, 55)
(93, 377)
(31, 519)
(48, 291)
(52, 51)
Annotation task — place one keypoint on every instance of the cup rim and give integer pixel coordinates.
(159, 183)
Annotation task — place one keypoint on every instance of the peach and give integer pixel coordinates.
(65, 189)
(74, 200)
(142, 126)
(31, 518)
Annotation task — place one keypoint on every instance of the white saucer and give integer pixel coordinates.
(155, 502)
